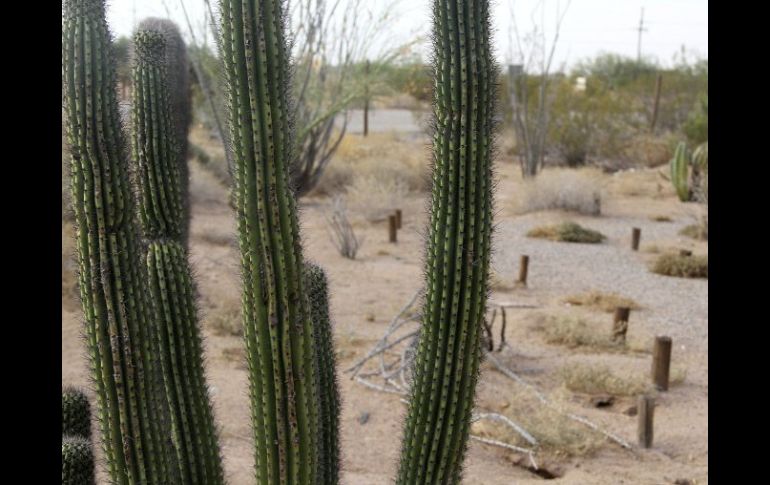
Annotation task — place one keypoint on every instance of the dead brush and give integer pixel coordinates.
(574, 332)
(567, 232)
(600, 379)
(605, 302)
(571, 190)
(681, 266)
(341, 231)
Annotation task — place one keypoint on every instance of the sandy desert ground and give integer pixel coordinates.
(367, 292)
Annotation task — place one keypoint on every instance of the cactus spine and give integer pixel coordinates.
(118, 317)
(278, 331)
(171, 285)
(77, 461)
(458, 246)
(178, 73)
(328, 395)
(76, 413)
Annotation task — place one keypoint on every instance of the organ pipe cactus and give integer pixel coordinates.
(119, 320)
(76, 413)
(178, 86)
(277, 327)
(77, 461)
(328, 396)
(163, 218)
(458, 246)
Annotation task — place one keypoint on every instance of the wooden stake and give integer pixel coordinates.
(393, 228)
(646, 409)
(398, 218)
(523, 269)
(661, 362)
(636, 235)
(685, 252)
(620, 324)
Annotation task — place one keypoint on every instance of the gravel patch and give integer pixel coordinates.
(676, 307)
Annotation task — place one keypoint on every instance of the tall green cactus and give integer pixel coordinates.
(328, 394)
(178, 74)
(119, 318)
(278, 330)
(171, 284)
(458, 246)
(76, 413)
(679, 172)
(77, 461)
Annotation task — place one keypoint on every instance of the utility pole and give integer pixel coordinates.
(639, 41)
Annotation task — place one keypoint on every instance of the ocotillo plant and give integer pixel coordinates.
(75, 413)
(178, 74)
(458, 246)
(77, 461)
(171, 285)
(278, 330)
(119, 320)
(328, 394)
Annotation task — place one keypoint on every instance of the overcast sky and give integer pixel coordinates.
(588, 28)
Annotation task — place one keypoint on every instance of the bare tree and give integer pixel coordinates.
(332, 41)
(342, 234)
(531, 123)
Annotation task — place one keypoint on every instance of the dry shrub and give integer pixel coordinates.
(696, 231)
(342, 234)
(381, 157)
(661, 218)
(606, 302)
(561, 189)
(600, 379)
(649, 150)
(567, 232)
(682, 266)
(497, 283)
(574, 332)
(554, 432)
(226, 320)
(641, 183)
(375, 197)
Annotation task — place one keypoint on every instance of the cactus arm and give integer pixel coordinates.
(679, 172)
(446, 365)
(278, 331)
(171, 286)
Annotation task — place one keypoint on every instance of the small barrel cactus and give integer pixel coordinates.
(77, 461)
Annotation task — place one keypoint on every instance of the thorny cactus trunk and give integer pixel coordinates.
(163, 218)
(278, 330)
(447, 360)
(119, 320)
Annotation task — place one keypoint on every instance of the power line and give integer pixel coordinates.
(639, 41)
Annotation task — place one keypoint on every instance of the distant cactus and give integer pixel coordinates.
(76, 413)
(328, 394)
(278, 330)
(458, 246)
(77, 461)
(171, 285)
(687, 171)
(119, 319)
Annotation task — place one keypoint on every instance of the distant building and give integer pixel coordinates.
(580, 84)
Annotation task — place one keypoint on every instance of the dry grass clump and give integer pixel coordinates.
(561, 189)
(383, 158)
(226, 320)
(341, 230)
(606, 302)
(681, 266)
(649, 150)
(600, 379)
(695, 231)
(661, 218)
(554, 432)
(567, 232)
(641, 183)
(574, 332)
